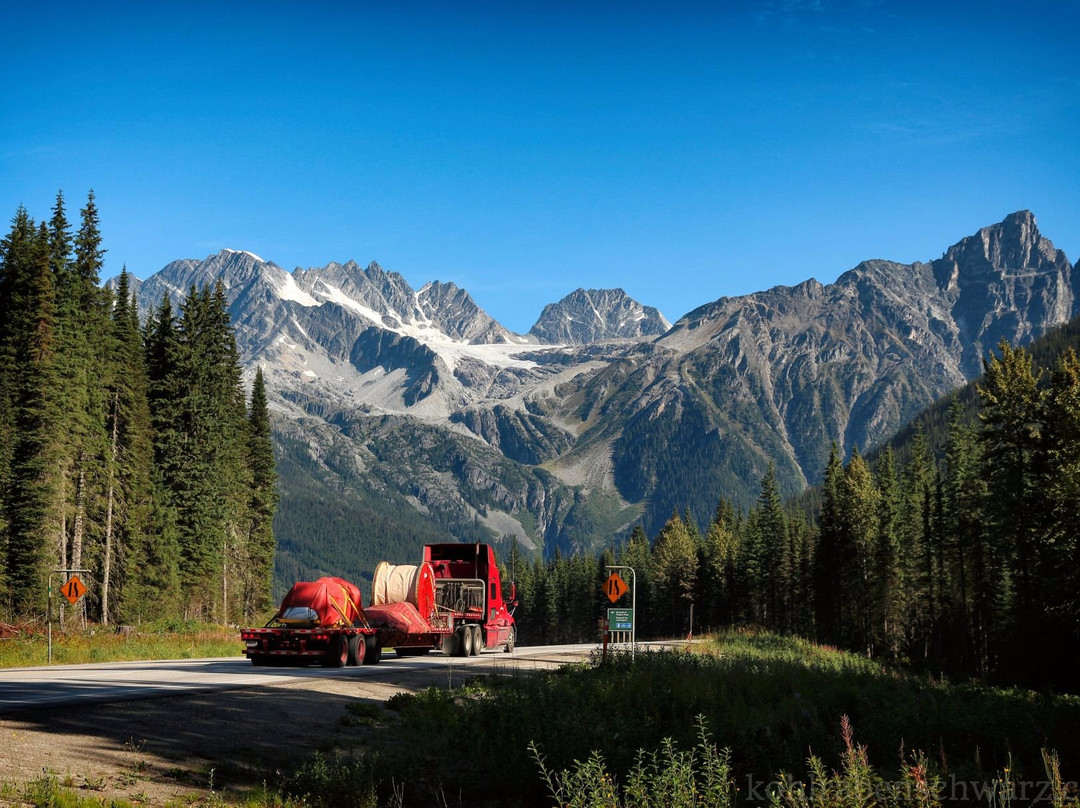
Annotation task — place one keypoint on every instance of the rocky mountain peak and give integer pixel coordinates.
(592, 315)
(457, 315)
(1014, 243)
(1005, 282)
(476, 432)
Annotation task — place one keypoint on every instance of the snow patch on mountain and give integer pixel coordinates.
(335, 295)
(245, 252)
(422, 329)
(289, 290)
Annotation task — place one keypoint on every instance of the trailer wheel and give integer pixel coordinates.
(373, 653)
(449, 644)
(338, 654)
(511, 640)
(259, 660)
(465, 644)
(478, 643)
(357, 647)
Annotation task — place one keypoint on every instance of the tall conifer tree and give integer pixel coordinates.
(776, 563)
(1010, 412)
(888, 581)
(264, 497)
(829, 557)
(674, 565)
(859, 504)
(32, 508)
(128, 530)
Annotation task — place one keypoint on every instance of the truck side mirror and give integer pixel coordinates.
(513, 594)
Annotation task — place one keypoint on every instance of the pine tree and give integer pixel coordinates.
(259, 567)
(33, 486)
(888, 580)
(82, 331)
(829, 557)
(16, 261)
(637, 554)
(917, 549)
(165, 393)
(1010, 412)
(750, 571)
(975, 581)
(128, 528)
(716, 563)
(209, 479)
(1058, 572)
(801, 552)
(583, 597)
(776, 564)
(545, 610)
(859, 508)
(674, 569)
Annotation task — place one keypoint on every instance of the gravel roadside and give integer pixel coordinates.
(197, 748)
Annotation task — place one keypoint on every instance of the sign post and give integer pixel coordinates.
(615, 587)
(73, 590)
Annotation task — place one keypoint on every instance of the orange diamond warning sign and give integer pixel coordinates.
(73, 589)
(615, 587)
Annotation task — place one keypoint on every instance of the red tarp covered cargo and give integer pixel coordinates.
(401, 616)
(325, 602)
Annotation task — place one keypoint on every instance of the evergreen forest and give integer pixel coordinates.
(963, 562)
(129, 455)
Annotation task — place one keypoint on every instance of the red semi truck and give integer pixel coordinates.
(453, 601)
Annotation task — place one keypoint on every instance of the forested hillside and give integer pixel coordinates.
(125, 452)
(968, 563)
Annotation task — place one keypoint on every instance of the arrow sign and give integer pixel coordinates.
(73, 589)
(615, 587)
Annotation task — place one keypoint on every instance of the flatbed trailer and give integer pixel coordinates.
(451, 602)
(332, 646)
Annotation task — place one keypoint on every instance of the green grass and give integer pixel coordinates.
(50, 791)
(743, 719)
(161, 640)
(774, 702)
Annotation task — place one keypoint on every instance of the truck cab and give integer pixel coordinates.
(467, 583)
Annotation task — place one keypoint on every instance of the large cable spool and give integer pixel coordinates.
(404, 583)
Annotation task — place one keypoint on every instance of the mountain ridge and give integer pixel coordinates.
(604, 411)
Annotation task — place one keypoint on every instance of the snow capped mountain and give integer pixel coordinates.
(306, 324)
(420, 403)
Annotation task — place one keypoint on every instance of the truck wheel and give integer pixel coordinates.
(449, 645)
(511, 640)
(357, 647)
(258, 660)
(373, 654)
(338, 654)
(478, 640)
(465, 644)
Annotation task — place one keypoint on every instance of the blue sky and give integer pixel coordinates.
(681, 151)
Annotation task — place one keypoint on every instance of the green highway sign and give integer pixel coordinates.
(620, 619)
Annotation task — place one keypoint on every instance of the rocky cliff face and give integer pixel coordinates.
(604, 414)
(584, 317)
(1005, 282)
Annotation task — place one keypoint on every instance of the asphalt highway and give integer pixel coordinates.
(29, 688)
